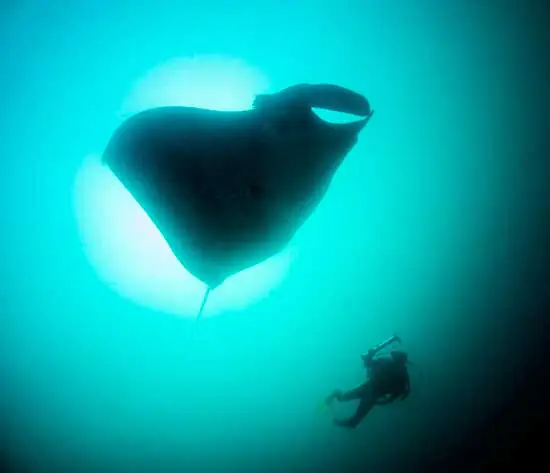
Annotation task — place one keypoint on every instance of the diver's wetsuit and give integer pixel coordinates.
(388, 380)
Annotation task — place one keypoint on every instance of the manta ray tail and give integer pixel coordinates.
(204, 299)
(197, 320)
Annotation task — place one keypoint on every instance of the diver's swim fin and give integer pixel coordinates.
(324, 407)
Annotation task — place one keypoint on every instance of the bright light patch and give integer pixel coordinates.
(120, 240)
(212, 82)
(332, 116)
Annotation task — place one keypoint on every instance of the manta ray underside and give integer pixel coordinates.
(228, 190)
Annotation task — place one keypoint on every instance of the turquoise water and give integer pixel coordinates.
(428, 230)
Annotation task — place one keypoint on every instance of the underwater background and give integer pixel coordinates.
(433, 228)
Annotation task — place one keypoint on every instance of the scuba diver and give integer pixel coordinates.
(388, 379)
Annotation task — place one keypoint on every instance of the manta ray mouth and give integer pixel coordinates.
(325, 96)
(331, 103)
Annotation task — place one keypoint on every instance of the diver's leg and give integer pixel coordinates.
(332, 396)
(363, 409)
(342, 396)
(351, 395)
(359, 392)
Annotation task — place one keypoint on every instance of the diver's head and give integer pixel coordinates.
(400, 357)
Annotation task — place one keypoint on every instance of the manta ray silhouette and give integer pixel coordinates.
(227, 190)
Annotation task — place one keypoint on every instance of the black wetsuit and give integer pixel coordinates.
(388, 380)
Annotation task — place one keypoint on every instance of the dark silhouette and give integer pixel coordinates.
(388, 379)
(228, 190)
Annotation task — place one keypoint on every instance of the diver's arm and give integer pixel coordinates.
(378, 361)
(369, 356)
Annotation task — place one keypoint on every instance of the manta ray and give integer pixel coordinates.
(228, 190)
